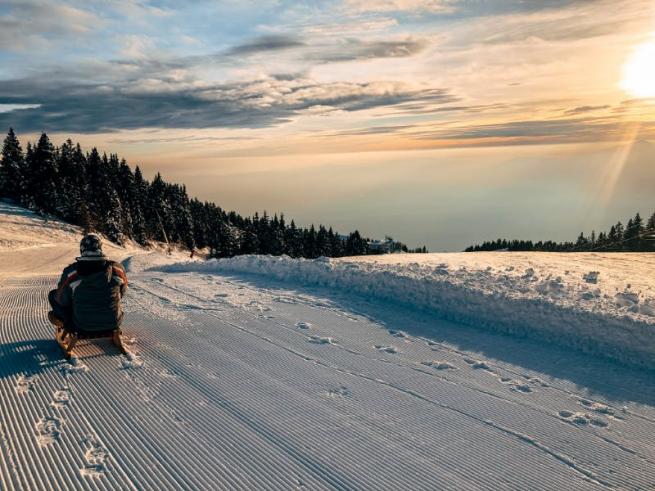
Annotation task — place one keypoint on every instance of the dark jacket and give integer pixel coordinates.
(94, 290)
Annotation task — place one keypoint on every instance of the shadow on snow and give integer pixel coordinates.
(615, 382)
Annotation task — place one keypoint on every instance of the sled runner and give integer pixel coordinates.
(68, 339)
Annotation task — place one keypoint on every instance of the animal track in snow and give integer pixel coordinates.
(25, 383)
(387, 349)
(439, 365)
(582, 419)
(95, 456)
(48, 430)
(60, 398)
(303, 325)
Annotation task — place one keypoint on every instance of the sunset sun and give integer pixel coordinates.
(639, 72)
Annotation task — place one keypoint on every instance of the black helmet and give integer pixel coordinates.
(91, 248)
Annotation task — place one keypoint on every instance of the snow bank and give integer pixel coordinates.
(143, 261)
(540, 301)
(21, 228)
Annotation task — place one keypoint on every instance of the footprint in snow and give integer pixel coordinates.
(25, 383)
(515, 385)
(73, 366)
(48, 430)
(131, 360)
(61, 398)
(478, 364)
(320, 340)
(594, 406)
(339, 392)
(303, 325)
(518, 386)
(169, 373)
(95, 456)
(386, 349)
(535, 381)
(129, 341)
(439, 365)
(582, 419)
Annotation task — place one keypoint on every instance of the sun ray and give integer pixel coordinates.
(617, 164)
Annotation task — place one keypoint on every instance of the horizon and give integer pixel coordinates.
(440, 123)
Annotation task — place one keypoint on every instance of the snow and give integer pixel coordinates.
(271, 381)
(608, 311)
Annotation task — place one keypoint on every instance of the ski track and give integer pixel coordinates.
(229, 385)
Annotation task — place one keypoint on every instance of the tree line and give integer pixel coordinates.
(101, 193)
(634, 236)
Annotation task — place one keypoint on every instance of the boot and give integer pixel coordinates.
(54, 320)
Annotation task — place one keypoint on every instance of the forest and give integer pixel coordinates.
(101, 193)
(635, 236)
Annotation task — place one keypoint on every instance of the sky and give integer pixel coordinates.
(438, 122)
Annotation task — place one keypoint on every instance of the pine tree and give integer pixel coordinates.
(139, 226)
(104, 204)
(71, 198)
(11, 167)
(127, 195)
(42, 179)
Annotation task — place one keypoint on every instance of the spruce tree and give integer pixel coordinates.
(42, 179)
(11, 167)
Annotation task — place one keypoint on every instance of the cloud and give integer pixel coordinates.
(355, 49)
(32, 22)
(136, 46)
(554, 131)
(373, 130)
(584, 109)
(360, 6)
(186, 103)
(356, 27)
(276, 42)
(579, 20)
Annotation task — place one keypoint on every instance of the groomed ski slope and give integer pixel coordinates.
(242, 381)
(603, 304)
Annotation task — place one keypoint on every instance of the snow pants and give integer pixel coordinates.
(65, 314)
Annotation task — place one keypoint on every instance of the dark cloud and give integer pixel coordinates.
(355, 49)
(539, 132)
(133, 104)
(373, 130)
(277, 42)
(584, 109)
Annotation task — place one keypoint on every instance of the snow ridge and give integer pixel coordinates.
(569, 312)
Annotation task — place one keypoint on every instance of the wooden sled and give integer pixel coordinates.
(68, 339)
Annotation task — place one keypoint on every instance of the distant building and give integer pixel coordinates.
(386, 246)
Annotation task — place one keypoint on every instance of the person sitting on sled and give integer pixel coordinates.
(87, 300)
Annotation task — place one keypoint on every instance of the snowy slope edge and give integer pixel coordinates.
(544, 308)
